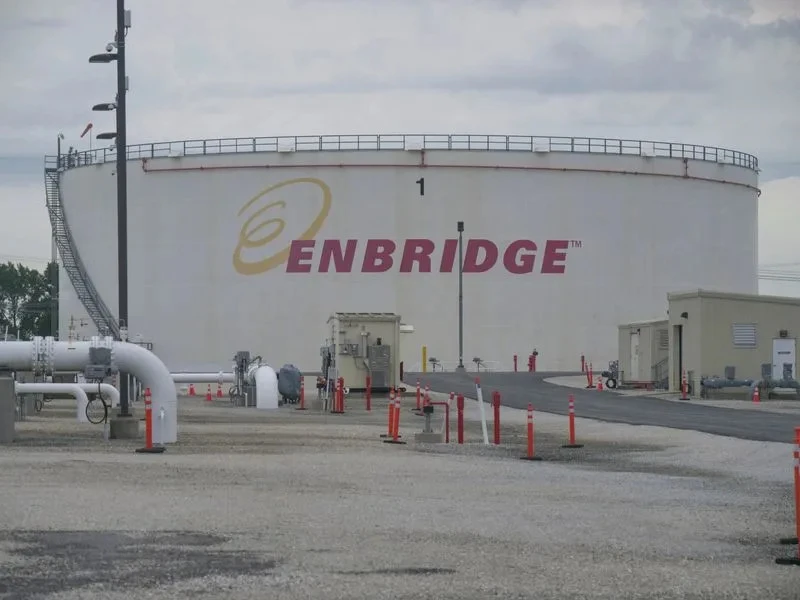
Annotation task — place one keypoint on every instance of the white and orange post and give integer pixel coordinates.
(794, 560)
(531, 449)
(684, 387)
(571, 427)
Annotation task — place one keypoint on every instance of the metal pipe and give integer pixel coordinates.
(73, 389)
(219, 377)
(49, 355)
(266, 388)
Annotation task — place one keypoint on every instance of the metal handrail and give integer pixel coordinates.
(465, 142)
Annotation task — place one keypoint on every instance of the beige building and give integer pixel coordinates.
(714, 334)
(644, 352)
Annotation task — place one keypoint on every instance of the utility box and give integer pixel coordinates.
(361, 344)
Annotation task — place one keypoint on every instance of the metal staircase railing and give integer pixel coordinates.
(660, 373)
(97, 310)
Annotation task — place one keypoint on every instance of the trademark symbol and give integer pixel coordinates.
(575, 244)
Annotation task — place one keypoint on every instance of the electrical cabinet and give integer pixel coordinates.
(362, 344)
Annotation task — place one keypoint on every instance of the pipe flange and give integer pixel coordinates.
(38, 351)
(49, 355)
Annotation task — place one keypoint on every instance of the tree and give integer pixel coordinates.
(27, 299)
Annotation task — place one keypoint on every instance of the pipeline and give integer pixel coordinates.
(73, 389)
(47, 355)
(219, 377)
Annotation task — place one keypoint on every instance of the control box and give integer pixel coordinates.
(361, 344)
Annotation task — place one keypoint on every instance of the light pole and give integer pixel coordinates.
(123, 24)
(58, 141)
(460, 366)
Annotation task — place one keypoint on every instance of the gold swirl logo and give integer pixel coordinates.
(255, 224)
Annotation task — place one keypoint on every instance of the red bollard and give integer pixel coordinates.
(796, 540)
(419, 397)
(447, 418)
(571, 443)
(148, 427)
(583, 363)
(533, 365)
(302, 394)
(531, 453)
(530, 363)
(341, 394)
(515, 363)
(460, 408)
(368, 393)
(496, 423)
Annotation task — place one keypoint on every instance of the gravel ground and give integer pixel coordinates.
(291, 504)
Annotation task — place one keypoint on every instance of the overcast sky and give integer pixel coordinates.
(714, 72)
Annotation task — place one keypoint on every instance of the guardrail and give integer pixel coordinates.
(449, 366)
(411, 142)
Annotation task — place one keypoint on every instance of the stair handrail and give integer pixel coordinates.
(67, 247)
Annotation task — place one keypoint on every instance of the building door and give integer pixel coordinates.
(783, 358)
(634, 373)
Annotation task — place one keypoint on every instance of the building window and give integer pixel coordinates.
(663, 339)
(744, 335)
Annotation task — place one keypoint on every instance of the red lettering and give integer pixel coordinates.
(555, 250)
(520, 257)
(474, 247)
(378, 256)
(300, 250)
(417, 251)
(480, 256)
(342, 259)
(448, 256)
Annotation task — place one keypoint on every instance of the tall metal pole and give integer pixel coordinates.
(122, 196)
(460, 297)
(54, 288)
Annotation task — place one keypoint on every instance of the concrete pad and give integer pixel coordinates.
(124, 428)
(432, 437)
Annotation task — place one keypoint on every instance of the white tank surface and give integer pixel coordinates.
(251, 244)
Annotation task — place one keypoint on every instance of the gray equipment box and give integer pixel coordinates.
(289, 378)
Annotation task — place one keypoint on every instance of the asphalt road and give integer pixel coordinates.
(517, 390)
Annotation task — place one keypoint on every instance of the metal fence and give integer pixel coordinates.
(414, 142)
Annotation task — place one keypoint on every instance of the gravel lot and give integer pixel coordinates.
(291, 505)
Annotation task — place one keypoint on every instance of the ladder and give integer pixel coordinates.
(71, 261)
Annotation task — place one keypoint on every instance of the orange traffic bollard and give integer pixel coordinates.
(530, 455)
(302, 399)
(395, 437)
(390, 429)
(796, 540)
(148, 427)
(571, 443)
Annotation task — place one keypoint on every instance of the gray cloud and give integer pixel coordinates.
(638, 68)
